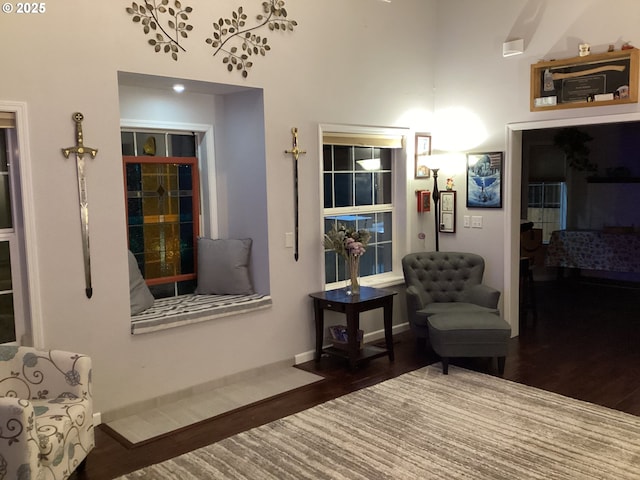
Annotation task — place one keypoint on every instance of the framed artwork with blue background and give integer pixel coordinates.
(484, 180)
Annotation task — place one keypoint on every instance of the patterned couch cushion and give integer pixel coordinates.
(187, 309)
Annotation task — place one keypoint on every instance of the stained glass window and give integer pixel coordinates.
(162, 189)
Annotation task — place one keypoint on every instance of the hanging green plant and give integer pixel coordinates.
(169, 24)
(572, 142)
(240, 43)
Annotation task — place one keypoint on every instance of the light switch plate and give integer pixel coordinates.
(467, 221)
(288, 240)
(476, 221)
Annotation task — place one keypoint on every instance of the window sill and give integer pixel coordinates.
(383, 281)
(380, 281)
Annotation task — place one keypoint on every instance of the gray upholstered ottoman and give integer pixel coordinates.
(469, 335)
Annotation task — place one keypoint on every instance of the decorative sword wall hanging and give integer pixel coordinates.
(79, 150)
(295, 152)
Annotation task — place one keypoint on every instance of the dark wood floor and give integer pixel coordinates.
(585, 344)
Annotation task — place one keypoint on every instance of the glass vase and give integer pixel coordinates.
(353, 275)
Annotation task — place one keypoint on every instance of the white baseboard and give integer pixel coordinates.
(368, 337)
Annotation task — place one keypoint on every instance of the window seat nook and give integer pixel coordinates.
(188, 309)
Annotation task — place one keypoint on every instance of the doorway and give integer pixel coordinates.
(514, 195)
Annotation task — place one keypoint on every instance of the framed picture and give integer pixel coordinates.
(484, 180)
(423, 150)
(447, 211)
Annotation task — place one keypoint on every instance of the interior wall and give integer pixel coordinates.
(241, 173)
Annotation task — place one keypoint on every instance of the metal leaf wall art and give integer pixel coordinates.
(232, 37)
(239, 42)
(167, 23)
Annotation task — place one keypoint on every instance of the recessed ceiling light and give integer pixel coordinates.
(178, 87)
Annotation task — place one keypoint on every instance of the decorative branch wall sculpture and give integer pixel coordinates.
(150, 15)
(234, 30)
(231, 36)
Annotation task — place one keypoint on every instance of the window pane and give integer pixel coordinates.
(383, 188)
(385, 158)
(364, 189)
(164, 290)
(5, 267)
(342, 158)
(151, 144)
(367, 262)
(136, 243)
(5, 202)
(188, 286)
(128, 147)
(182, 145)
(384, 258)
(547, 207)
(134, 177)
(328, 190)
(4, 165)
(330, 266)
(343, 189)
(361, 156)
(381, 229)
(7, 319)
(327, 161)
(134, 211)
(5, 192)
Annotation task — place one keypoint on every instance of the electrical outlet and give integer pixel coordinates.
(476, 221)
(467, 221)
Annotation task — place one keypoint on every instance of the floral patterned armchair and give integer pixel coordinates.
(46, 413)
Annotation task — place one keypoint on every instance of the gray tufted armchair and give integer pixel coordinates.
(445, 282)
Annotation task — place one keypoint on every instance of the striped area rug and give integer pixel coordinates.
(425, 425)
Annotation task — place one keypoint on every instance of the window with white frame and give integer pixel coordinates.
(547, 207)
(13, 321)
(358, 192)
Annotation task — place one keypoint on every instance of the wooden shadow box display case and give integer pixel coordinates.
(609, 78)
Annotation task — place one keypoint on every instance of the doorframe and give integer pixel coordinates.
(513, 132)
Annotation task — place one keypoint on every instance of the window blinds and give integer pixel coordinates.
(7, 120)
(362, 140)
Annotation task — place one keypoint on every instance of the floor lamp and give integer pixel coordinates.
(436, 202)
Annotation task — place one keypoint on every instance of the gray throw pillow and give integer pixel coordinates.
(141, 297)
(223, 267)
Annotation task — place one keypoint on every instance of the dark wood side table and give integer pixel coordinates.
(351, 305)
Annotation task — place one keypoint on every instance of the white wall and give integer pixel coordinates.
(357, 62)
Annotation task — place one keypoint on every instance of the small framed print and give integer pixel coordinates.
(484, 180)
(447, 211)
(423, 151)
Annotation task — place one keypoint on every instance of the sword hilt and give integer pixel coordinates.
(79, 148)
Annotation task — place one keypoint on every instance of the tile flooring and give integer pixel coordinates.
(171, 416)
